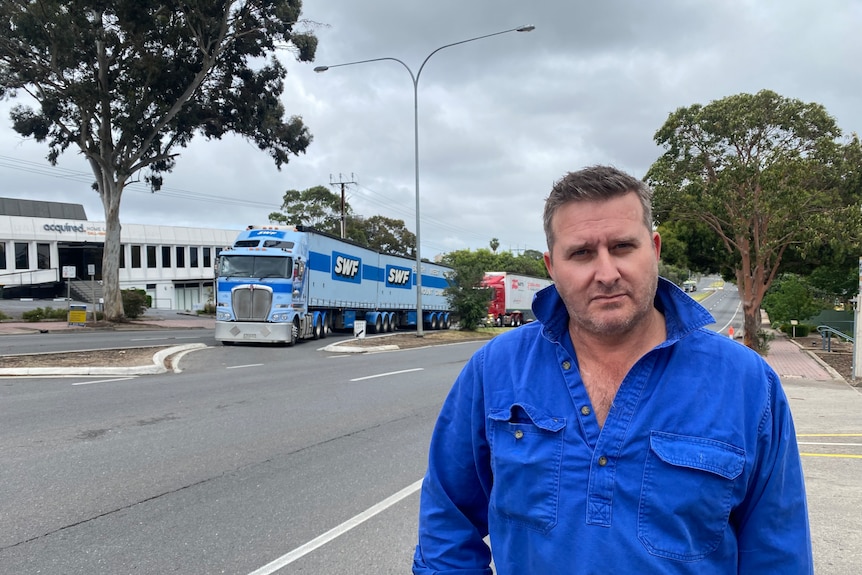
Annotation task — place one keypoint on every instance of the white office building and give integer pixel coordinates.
(44, 244)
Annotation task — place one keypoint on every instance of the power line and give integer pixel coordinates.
(374, 197)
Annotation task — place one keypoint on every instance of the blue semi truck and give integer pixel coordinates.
(280, 284)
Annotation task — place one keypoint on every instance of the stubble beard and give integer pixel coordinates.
(599, 325)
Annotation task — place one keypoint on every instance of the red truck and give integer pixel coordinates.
(511, 297)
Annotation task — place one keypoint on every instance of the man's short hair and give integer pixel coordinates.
(594, 183)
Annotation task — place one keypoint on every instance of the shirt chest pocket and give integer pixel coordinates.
(687, 495)
(526, 457)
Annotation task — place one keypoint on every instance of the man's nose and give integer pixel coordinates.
(606, 268)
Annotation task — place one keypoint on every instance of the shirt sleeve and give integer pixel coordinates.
(453, 514)
(774, 535)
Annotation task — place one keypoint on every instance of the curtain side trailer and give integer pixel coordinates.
(281, 284)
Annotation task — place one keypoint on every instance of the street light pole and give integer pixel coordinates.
(415, 79)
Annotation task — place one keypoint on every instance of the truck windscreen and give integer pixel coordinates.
(255, 266)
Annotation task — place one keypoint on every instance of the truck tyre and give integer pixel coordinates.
(324, 327)
(294, 334)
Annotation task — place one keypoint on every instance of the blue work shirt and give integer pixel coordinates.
(696, 469)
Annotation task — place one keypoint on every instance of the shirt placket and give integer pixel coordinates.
(606, 442)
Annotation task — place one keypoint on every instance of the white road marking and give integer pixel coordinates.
(388, 374)
(104, 380)
(163, 338)
(816, 443)
(242, 366)
(336, 532)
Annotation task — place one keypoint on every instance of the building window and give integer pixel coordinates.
(2, 255)
(151, 256)
(193, 257)
(22, 256)
(208, 259)
(43, 256)
(166, 256)
(122, 256)
(136, 256)
(181, 257)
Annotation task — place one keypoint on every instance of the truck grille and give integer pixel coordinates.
(252, 303)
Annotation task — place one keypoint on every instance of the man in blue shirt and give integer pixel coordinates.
(616, 435)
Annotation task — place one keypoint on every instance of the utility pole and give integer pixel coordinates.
(343, 185)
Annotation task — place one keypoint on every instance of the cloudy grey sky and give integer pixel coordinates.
(500, 119)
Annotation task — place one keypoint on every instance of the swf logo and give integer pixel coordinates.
(398, 277)
(346, 268)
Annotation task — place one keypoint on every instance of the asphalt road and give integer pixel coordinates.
(288, 460)
(247, 455)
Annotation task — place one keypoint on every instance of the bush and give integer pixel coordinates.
(763, 339)
(134, 302)
(208, 309)
(801, 330)
(39, 314)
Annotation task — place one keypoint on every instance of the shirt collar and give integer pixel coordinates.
(682, 314)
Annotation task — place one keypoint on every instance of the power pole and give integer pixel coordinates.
(343, 185)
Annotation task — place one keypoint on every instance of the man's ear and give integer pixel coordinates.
(548, 264)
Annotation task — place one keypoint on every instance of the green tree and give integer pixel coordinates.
(790, 298)
(494, 243)
(383, 234)
(130, 82)
(530, 263)
(321, 208)
(318, 207)
(466, 299)
(763, 173)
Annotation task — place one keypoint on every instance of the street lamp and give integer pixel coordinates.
(415, 78)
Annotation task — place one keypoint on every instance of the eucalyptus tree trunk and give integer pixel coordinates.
(111, 192)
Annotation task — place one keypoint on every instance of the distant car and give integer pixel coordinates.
(689, 286)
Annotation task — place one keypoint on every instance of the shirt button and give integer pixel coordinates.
(603, 461)
(519, 434)
(585, 410)
(567, 364)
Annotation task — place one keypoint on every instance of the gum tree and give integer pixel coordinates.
(129, 83)
(764, 173)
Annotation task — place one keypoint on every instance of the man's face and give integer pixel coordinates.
(605, 264)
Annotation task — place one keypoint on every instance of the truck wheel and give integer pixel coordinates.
(294, 334)
(499, 321)
(317, 330)
(324, 327)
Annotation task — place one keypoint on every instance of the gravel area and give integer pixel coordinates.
(132, 357)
